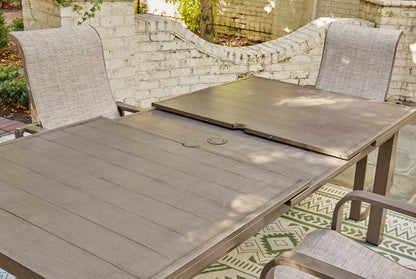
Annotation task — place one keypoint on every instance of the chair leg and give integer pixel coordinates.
(18, 132)
(359, 180)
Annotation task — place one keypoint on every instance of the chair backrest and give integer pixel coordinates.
(66, 75)
(358, 60)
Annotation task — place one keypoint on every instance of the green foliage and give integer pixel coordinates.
(89, 13)
(17, 24)
(4, 29)
(13, 85)
(190, 12)
(96, 6)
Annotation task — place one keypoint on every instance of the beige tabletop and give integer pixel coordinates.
(322, 121)
(152, 195)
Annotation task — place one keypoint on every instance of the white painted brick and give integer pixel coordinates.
(170, 64)
(181, 72)
(281, 75)
(169, 82)
(110, 21)
(161, 92)
(114, 63)
(151, 84)
(202, 70)
(139, 71)
(177, 55)
(189, 80)
(117, 84)
(179, 90)
(161, 36)
(122, 31)
(148, 47)
(160, 74)
(149, 66)
(123, 72)
(209, 79)
(145, 103)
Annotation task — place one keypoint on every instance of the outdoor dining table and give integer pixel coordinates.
(159, 195)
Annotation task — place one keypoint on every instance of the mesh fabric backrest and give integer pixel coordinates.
(358, 61)
(65, 72)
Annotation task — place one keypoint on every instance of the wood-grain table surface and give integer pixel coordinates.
(150, 195)
(326, 122)
(153, 195)
(334, 124)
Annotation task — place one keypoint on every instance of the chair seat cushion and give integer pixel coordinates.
(334, 248)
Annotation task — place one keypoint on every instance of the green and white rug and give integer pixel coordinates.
(247, 260)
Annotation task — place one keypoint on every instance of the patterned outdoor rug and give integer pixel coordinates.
(247, 260)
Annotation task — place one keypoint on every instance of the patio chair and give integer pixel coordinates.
(357, 60)
(326, 253)
(66, 77)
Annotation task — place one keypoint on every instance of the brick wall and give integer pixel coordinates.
(40, 14)
(253, 19)
(291, 15)
(270, 19)
(173, 61)
(149, 57)
(397, 15)
(337, 8)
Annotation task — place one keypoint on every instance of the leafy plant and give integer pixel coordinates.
(190, 12)
(13, 85)
(5, 1)
(4, 29)
(17, 24)
(89, 13)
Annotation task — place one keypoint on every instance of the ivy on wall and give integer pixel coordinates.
(85, 14)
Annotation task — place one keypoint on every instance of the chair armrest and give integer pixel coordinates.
(122, 108)
(373, 200)
(308, 265)
(29, 128)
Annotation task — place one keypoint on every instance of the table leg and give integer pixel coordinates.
(359, 179)
(382, 184)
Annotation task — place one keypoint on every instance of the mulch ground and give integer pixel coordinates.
(8, 110)
(8, 56)
(234, 41)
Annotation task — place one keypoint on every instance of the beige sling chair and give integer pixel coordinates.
(358, 61)
(326, 253)
(66, 77)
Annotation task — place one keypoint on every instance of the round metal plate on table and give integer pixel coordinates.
(216, 141)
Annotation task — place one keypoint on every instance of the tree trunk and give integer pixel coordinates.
(136, 6)
(207, 20)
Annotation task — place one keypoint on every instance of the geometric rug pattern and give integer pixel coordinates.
(247, 260)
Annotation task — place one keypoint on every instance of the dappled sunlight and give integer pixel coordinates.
(287, 30)
(305, 101)
(270, 6)
(265, 157)
(345, 60)
(244, 203)
(323, 21)
(413, 51)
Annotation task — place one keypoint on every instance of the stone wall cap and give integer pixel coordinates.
(392, 3)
